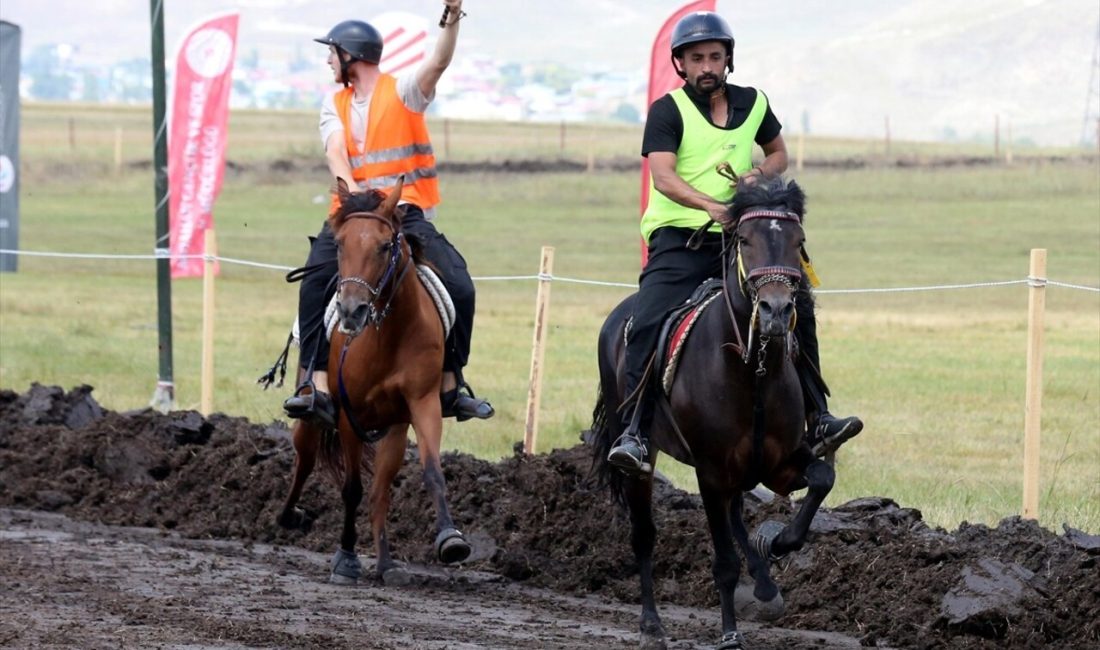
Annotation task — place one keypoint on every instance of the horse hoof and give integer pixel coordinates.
(338, 579)
(296, 519)
(764, 537)
(396, 577)
(652, 642)
(346, 568)
(451, 546)
(730, 641)
(749, 607)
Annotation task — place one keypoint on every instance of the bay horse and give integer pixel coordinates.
(388, 350)
(734, 410)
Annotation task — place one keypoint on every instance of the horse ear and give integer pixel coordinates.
(341, 190)
(390, 203)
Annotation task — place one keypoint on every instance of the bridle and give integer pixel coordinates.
(375, 316)
(751, 282)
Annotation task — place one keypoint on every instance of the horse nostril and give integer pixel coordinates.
(360, 313)
(766, 309)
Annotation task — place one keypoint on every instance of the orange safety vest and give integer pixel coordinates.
(397, 143)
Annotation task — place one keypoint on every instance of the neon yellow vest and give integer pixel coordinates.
(703, 146)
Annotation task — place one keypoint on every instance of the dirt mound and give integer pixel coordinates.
(872, 569)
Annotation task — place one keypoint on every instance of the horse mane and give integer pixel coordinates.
(351, 202)
(769, 192)
(368, 201)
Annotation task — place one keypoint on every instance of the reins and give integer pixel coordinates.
(376, 316)
(749, 284)
(390, 277)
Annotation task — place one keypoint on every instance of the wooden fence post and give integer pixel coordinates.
(118, 150)
(446, 138)
(996, 136)
(886, 121)
(1033, 403)
(534, 390)
(210, 248)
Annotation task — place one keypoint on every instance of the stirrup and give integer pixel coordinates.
(629, 456)
(315, 404)
(462, 404)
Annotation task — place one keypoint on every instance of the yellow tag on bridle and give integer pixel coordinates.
(740, 270)
(808, 268)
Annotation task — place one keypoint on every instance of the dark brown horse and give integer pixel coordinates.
(388, 352)
(734, 410)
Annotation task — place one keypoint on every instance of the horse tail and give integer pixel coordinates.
(331, 455)
(600, 437)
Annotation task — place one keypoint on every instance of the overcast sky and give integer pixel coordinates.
(932, 66)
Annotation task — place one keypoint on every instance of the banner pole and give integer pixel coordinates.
(210, 248)
(164, 396)
(538, 350)
(1033, 403)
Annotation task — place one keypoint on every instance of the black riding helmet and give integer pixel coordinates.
(358, 39)
(701, 26)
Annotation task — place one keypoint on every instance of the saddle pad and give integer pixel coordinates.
(677, 339)
(439, 295)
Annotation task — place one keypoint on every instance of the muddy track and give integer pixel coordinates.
(149, 530)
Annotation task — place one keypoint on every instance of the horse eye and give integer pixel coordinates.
(387, 247)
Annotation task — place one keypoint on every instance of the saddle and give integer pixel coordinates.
(677, 326)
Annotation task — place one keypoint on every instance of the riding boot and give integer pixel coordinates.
(825, 433)
(462, 404)
(307, 402)
(630, 453)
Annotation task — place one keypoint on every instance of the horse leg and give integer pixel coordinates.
(727, 566)
(389, 456)
(766, 601)
(819, 477)
(346, 568)
(639, 499)
(307, 439)
(451, 546)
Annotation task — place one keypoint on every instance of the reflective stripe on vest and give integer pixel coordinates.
(397, 144)
(702, 147)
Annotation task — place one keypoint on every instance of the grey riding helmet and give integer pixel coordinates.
(702, 26)
(357, 38)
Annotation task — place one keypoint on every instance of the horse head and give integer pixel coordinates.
(370, 245)
(767, 240)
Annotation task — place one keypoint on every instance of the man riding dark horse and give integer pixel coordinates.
(688, 133)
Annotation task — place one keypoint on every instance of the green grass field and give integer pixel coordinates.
(937, 375)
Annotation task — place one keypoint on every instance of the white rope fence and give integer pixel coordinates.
(162, 253)
(1036, 281)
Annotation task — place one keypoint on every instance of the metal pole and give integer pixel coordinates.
(165, 394)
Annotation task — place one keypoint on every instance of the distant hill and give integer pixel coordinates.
(938, 69)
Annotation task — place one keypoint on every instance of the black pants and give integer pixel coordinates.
(318, 287)
(668, 279)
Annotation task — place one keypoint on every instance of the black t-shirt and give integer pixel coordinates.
(664, 128)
